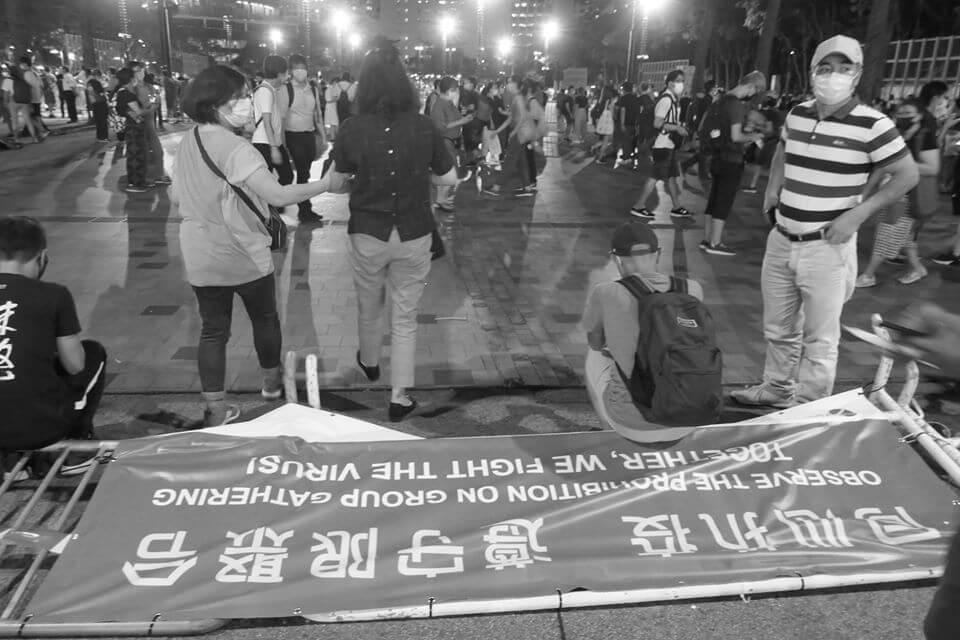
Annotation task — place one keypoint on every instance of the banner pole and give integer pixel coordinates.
(581, 599)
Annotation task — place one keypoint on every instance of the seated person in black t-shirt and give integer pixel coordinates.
(50, 380)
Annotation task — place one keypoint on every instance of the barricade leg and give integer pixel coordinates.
(310, 376)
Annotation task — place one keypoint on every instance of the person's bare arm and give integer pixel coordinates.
(737, 134)
(265, 185)
(928, 164)
(71, 354)
(903, 177)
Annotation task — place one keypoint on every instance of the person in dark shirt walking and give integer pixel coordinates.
(392, 151)
(50, 380)
(723, 134)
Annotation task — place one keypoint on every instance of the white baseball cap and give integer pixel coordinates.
(842, 45)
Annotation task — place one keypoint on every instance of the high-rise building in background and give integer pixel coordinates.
(416, 23)
(525, 21)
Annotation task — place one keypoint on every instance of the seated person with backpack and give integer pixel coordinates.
(653, 367)
(50, 380)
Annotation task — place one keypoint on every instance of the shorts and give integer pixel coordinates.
(665, 164)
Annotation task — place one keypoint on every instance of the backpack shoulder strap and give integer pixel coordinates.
(289, 95)
(679, 285)
(636, 286)
(216, 170)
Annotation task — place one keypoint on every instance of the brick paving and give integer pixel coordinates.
(501, 309)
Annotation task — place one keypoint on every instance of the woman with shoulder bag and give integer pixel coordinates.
(224, 188)
(901, 225)
(604, 124)
(393, 151)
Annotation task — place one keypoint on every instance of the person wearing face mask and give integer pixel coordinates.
(268, 113)
(303, 129)
(51, 379)
(446, 116)
(225, 246)
(666, 168)
(829, 147)
(900, 227)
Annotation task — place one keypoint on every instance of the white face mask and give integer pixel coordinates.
(240, 115)
(676, 88)
(833, 88)
(300, 75)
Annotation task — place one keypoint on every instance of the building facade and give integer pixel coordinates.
(526, 19)
(913, 63)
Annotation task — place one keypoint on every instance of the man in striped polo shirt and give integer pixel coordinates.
(828, 149)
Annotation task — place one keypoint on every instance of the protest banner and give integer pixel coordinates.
(200, 525)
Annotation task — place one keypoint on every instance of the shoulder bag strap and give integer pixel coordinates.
(216, 170)
(289, 95)
(636, 286)
(679, 285)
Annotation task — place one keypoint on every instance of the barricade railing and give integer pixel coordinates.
(17, 530)
(909, 415)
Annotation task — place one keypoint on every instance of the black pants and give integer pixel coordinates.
(136, 139)
(723, 189)
(628, 142)
(284, 170)
(943, 617)
(216, 311)
(955, 196)
(302, 146)
(531, 163)
(70, 98)
(33, 425)
(100, 111)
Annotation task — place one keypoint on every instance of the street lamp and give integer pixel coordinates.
(504, 48)
(355, 41)
(275, 38)
(447, 25)
(480, 48)
(341, 22)
(550, 29)
(647, 6)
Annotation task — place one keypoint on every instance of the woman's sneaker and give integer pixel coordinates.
(643, 212)
(864, 281)
(719, 250)
(913, 276)
(947, 259)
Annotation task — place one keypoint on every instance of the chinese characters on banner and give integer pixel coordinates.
(346, 527)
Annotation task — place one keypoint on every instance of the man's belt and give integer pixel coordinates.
(819, 234)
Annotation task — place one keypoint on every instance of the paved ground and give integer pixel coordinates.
(502, 308)
(499, 317)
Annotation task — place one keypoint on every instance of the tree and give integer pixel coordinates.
(768, 31)
(877, 43)
(707, 19)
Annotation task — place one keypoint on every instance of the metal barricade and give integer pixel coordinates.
(23, 527)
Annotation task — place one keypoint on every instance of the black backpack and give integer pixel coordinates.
(676, 377)
(715, 127)
(22, 92)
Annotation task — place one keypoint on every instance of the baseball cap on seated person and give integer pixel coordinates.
(838, 45)
(634, 238)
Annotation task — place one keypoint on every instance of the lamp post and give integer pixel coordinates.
(480, 31)
(341, 21)
(355, 41)
(504, 48)
(275, 39)
(550, 29)
(646, 6)
(446, 25)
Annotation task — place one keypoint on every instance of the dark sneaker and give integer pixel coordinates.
(398, 412)
(719, 250)
(680, 212)
(703, 245)
(372, 373)
(164, 180)
(643, 212)
(491, 192)
(947, 259)
(526, 192)
(133, 188)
